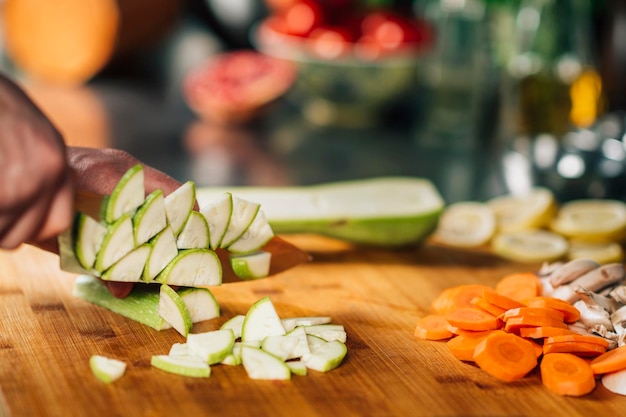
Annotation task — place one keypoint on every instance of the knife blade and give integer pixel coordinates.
(284, 254)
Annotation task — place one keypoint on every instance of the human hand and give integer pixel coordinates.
(36, 195)
(99, 170)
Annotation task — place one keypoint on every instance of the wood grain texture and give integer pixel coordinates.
(47, 337)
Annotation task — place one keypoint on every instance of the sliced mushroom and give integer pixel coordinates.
(618, 293)
(618, 318)
(578, 327)
(547, 268)
(566, 293)
(590, 297)
(571, 271)
(600, 278)
(593, 315)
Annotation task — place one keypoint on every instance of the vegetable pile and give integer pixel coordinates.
(535, 228)
(268, 347)
(521, 324)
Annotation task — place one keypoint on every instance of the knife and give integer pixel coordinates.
(284, 254)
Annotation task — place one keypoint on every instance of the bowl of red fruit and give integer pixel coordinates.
(353, 61)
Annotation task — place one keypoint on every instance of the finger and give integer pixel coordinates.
(157, 180)
(25, 226)
(119, 289)
(60, 213)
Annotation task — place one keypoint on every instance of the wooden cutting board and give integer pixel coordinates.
(47, 337)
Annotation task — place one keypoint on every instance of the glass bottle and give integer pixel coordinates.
(550, 83)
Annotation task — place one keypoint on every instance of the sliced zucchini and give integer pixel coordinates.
(150, 219)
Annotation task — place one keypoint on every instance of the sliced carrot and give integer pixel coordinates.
(578, 338)
(571, 313)
(487, 306)
(459, 296)
(538, 348)
(532, 311)
(543, 332)
(519, 286)
(505, 356)
(462, 332)
(462, 346)
(472, 318)
(567, 374)
(576, 348)
(501, 301)
(432, 327)
(514, 324)
(612, 361)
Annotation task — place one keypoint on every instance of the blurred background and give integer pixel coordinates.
(483, 97)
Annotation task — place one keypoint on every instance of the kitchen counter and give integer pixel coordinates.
(47, 337)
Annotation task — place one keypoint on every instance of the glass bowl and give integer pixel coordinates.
(348, 89)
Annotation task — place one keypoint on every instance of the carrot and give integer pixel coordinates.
(532, 311)
(571, 313)
(462, 332)
(514, 324)
(505, 356)
(578, 338)
(576, 348)
(519, 286)
(612, 361)
(543, 332)
(462, 346)
(501, 301)
(487, 306)
(471, 318)
(432, 327)
(567, 374)
(537, 347)
(459, 296)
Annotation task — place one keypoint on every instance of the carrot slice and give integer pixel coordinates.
(514, 324)
(576, 348)
(567, 374)
(501, 301)
(432, 327)
(459, 296)
(471, 318)
(471, 333)
(578, 338)
(543, 332)
(487, 306)
(538, 348)
(532, 311)
(571, 313)
(519, 286)
(612, 361)
(505, 356)
(462, 346)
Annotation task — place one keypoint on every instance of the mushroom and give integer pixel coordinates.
(599, 278)
(547, 268)
(618, 318)
(571, 271)
(618, 293)
(593, 315)
(590, 297)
